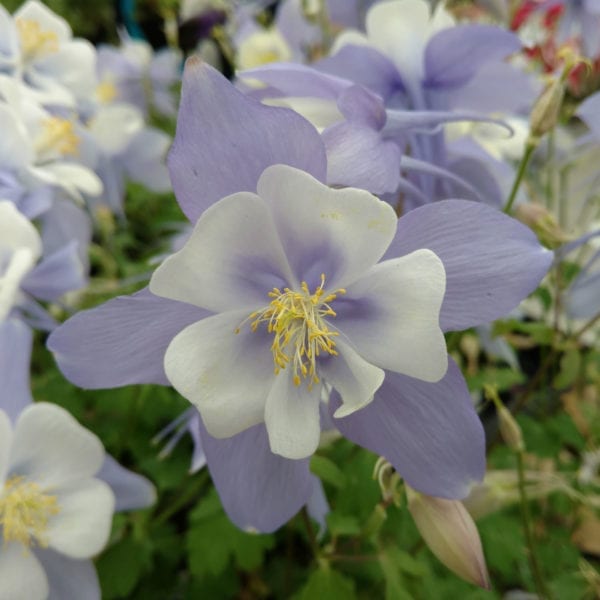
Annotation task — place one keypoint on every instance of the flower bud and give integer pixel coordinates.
(537, 218)
(509, 428)
(451, 535)
(546, 109)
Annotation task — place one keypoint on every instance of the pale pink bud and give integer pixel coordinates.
(451, 535)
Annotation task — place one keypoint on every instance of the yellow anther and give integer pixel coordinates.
(301, 333)
(35, 42)
(25, 511)
(58, 136)
(106, 91)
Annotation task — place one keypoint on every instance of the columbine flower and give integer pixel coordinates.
(275, 253)
(38, 48)
(299, 304)
(54, 513)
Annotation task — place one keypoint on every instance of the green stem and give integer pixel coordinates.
(192, 492)
(538, 578)
(529, 148)
(312, 538)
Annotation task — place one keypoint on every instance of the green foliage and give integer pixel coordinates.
(327, 584)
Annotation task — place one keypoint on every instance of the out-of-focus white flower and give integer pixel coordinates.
(38, 48)
(54, 513)
(262, 47)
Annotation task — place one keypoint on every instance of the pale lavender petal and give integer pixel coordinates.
(365, 66)
(491, 261)
(259, 490)
(144, 159)
(455, 54)
(317, 506)
(15, 355)
(69, 579)
(589, 113)
(132, 491)
(358, 156)
(298, 32)
(583, 298)
(121, 342)
(225, 140)
(430, 432)
(490, 89)
(63, 223)
(198, 454)
(293, 79)
(56, 274)
(411, 164)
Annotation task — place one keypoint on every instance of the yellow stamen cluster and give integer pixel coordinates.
(58, 136)
(25, 511)
(34, 40)
(106, 91)
(301, 333)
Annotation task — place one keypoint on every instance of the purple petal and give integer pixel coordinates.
(359, 105)
(318, 507)
(365, 66)
(490, 89)
(63, 223)
(589, 113)
(259, 490)
(430, 432)
(122, 341)
(299, 80)
(69, 578)
(225, 140)
(455, 54)
(492, 261)
(132, 491)
(15, 355)
(358, 156)
(57, 274)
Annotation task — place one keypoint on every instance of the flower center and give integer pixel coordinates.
(35, 41)
(57, 136)
(25, 511)
(106, 91)
(301, 333)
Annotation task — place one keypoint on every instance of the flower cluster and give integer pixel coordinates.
(349, 196)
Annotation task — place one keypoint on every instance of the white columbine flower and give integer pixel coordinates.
(300, 302)
(53, 511)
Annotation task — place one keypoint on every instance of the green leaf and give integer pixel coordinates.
(121, 567)
(328, 471)
(395, 588)
(327, 584)
(570, 367)
(214, 542)
(343, 524)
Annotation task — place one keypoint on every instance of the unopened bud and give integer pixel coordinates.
(509, 428)
(451, 534)
(546, 110)
(542, 223)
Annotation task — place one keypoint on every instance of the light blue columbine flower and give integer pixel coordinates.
(287, 287)
(417, 60)
(58, 492)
